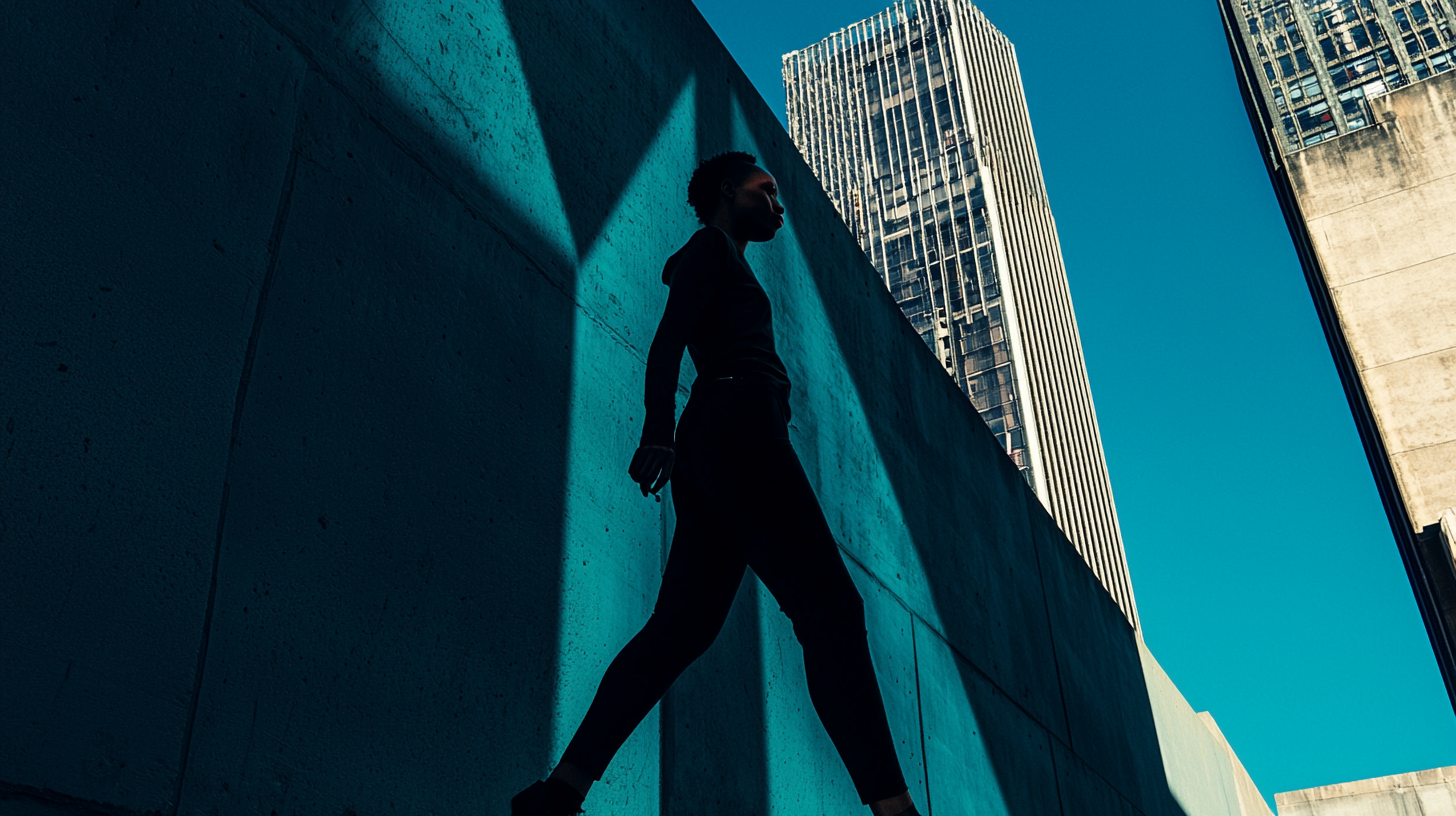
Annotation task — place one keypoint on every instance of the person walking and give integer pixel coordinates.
(742, 501)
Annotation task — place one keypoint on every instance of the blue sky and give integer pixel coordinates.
(1266, 576)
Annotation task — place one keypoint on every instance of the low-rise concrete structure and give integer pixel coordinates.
(1422, 793)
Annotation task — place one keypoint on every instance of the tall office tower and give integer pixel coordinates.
(1353, 105)
(916, 124)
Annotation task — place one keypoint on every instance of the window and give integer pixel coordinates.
(1422, 70)
(1286, 67)
(1303, 59)
(1412, 45)
(1328, 48)
(1418, 13)
(1431, 39)
(1314, 117)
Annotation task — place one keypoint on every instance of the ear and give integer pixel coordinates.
(727, 188)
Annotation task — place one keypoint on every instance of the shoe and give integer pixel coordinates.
(550, 797)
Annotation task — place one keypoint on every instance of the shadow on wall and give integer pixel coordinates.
(410, 254)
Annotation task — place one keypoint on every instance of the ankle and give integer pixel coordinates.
(573, 776)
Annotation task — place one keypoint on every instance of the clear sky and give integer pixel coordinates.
(1266, 576)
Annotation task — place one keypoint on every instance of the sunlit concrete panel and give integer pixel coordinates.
(1419, 400)
(1402, 314)
(1394, 232)
(1429, 793)
(1377, 202)
(1427, 480)
(116, 405)
(1200, 777)
(983, 754)
(1251, 802)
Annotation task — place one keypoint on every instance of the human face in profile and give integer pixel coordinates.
(754, 209)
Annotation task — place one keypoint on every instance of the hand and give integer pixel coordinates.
(651, 466)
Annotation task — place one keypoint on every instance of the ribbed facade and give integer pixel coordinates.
(916, 124)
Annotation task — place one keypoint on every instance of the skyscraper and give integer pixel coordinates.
(916, 124)
(1353, 106)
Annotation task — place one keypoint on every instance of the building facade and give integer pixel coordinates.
(916, 124)
(1368, 200)
(1318, 63)
(1428, 793)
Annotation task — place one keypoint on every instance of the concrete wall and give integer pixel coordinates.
(1378, 204)
(1428, 793)
(325, 325)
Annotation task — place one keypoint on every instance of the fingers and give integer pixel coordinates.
(639, 462)
(651, 465)
(666, 473)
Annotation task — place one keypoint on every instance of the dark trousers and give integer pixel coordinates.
(742, 500)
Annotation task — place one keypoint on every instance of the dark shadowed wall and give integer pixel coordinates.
(324, 328)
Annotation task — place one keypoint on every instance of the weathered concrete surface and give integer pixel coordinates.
(1378, 204)
(134, 241)
(1251, 802)
(1429, 793)
(325, 512)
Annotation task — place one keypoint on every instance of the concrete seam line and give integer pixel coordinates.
(920, 716)
(1056, 777)
(275, 241)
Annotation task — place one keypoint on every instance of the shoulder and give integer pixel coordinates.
(711, 240)
(705, 253)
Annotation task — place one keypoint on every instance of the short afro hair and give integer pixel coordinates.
(734, 166)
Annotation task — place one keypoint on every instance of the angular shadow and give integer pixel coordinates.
(599, 95)
(388, 605)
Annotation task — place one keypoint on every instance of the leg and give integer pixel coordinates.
(703, 571)
(794, 553)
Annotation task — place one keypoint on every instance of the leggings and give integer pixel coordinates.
(742, 500)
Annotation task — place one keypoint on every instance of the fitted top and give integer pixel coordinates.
(718, 310)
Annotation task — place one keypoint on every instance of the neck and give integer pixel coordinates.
(723, 222)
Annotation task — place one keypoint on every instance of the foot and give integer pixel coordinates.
(551, 797)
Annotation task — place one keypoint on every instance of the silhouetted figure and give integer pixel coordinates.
(742, 500)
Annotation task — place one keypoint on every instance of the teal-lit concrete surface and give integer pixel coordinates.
(326, 511)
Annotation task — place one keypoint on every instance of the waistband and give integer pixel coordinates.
(708, 385)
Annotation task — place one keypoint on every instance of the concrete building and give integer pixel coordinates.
(1368, 198)
(1422, 793)
(915, 122)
